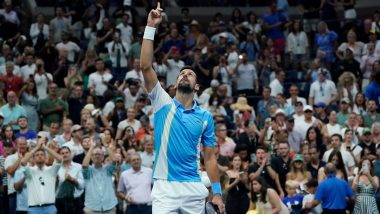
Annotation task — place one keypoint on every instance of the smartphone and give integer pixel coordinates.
(365, 167)
(240, 56)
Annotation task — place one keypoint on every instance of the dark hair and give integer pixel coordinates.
(319, 137)
(370, 163)
(65, 147)
(312, 183)
(3, 133)
(22, 117)
(190, 68)
(338, 136)
(340, 165)
(263, 191)
(232, 158)
(262, 147)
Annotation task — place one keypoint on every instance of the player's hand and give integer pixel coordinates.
(154, 16)
(217, 200)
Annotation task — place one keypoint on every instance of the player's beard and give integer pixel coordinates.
(185, 88)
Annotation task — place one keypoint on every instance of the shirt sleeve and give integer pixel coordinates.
(319, 193)
(86, 172)
(159, 97)
(208, 136)
(111, 168)
(349, 192)
(121, 184)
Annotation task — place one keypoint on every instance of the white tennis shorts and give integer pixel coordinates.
(171, 197)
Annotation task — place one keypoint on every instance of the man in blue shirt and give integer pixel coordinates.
(12, 111)
(22, 122)
(182, 128)
(372, 91)
(332, 193)
(272, 25)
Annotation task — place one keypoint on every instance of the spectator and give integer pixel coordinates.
(315, 162)
(250, 45)
(237, 186)
(118, 52)
(86, 142)
(53, 108)
(29, 101)
(297, 43)
(348, 87)
(265, 199)
(104, 36)
(281, 164)
(343, 113)
(324, 40)
(349, 64)
(263, 106)
(174, 40)
(356, 47)
(42, 80)
(99, 191)
(98, 81)
(28, 70)
(372, 92)
(365, 185)
(311, 187)
(70, 179)
(73, 50)
(372, 116)
(302, 124)
(29, 134)
(74, 144)
(272, 24)
(277, 84)
(298, 174)
(41, 179)
(147, 156)
(332, 193)
(39, 32)
(135, 74)
(12, 111)
(59, 24)
(129, 121)
(10, 80)
(323, 90)
(9, 13)
(294, 98)
(226, 144)
(359, 104)
(174, 63)
(367, 64)
(293, 200)
(126, 31)
(369, 146)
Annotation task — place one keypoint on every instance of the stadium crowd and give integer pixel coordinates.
(295, 104)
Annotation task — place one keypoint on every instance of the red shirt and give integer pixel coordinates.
(12, 83)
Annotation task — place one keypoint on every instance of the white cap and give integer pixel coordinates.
(279, 111)
(307, 107)
(214, 83)
(90, 107)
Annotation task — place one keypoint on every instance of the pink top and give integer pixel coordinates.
(2, 147)
(227, 148)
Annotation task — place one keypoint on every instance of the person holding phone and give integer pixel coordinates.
(365, 185)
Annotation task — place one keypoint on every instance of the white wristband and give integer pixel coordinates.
(149, 33)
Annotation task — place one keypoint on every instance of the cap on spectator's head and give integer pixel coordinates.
(307, 108)
(118, 99)
(372, 31)
(290, 118)
(279, 111)
(320, 105)
(42, 134)
(75, 128)
(194, 22)
(366, 131)
(241, 105)
(298, 157)
(299, 103)
(90, 107)
(345, 100)
(214, 83)
(223, 35)
(322, 71)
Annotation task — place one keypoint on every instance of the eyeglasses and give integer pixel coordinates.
(41, 181)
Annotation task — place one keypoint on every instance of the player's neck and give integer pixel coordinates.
(186, 99)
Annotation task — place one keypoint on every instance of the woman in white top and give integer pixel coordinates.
(357, 47)
(349, 146)
(348, 87)
(130, 121)
(251, 25)
(39, 31)
(296, 42)
(332, 127)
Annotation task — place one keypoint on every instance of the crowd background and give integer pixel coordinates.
(288, 95)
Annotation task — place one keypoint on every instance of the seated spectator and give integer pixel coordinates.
(343, 113)
(372, 116)
(293, 200)
(298, 174)
(373, 90)
(311, 189)
(12, 111)
(226, 144)
(323, 90)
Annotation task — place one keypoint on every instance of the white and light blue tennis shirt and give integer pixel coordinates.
(178, 134)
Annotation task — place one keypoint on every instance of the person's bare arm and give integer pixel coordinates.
(211, 166)
(146, 58)
(274, 200)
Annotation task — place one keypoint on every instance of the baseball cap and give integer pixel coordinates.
(345, 100)
(119, 99)
(298, 157)
(366, 131)
(320, 105)
(214, 83)
(307, 107)
(290, 118)
(75, 128)
(279, 111)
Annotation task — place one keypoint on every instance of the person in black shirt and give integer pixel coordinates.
(261, 167)
(281, 163)
(369, 147)
(103, 36)
(315, 162)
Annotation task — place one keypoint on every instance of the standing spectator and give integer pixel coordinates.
(372, 116)
(237, 186)
(98, 81)
(365, 185)
(11, 164)
(373, 90)
(272, 26)
(70, 180)
(263, 106)
(42, 80)
(59, 24)
(118, 52)
(332, 193)
(323, 90)
(135, 74)
(281, 164)
(147, 156)
(75, 144)
(173, 41)
(39, 32)
(29, 101)
(367, 64)
(348, 87)
(72, 48)
(103, 37)
(135, 187)
(250, 46)
(9, 13)
(356, 47)
(76, 103)
(295, 138)
(343, 113)
(294, 98)
(10, 80)
(349, 64)
(99, 191)
(53, 108)
(28, 70)
(129, 121)
(302, 124)
(297, 43)
(226, 145)
(324, 40)
(29, 134)
(277, 84)
(247, 78)
(12, 111)
(315, 162)
(41, 179)
(174, 63)
(126, 31)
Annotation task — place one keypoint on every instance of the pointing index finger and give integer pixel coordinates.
(159, 7)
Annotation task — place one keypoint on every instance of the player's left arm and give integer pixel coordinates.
(208, 141)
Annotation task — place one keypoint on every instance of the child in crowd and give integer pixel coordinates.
(311, 188)
(292, 200)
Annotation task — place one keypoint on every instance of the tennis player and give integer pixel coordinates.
(181, 126)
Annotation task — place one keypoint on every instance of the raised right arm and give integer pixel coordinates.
(146, 57)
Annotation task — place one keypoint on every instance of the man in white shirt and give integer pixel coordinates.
(41, 179)
(174, 63)
(75, 144)
(98, 81)
(294, 98)
(28, 70)
(71, 47)
(303, 124)
(366, 64)
(276, 84)
(132, 92)
(136, 72)
(11, 164)
(118, 52)
(247, 78)
(323, 90)
(348, 159)
(147, 156)
(126, 30)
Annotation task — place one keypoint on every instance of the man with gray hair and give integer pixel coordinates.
(12, 111)
(332, 193)
(375, 130)
(147, 156)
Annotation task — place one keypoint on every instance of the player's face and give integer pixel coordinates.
(187, 81)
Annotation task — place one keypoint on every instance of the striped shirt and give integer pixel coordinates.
(179, 133)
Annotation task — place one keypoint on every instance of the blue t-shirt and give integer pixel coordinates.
(271, 19)
(294, 203)
(29, 135)
(332, 193)
(373, 93)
